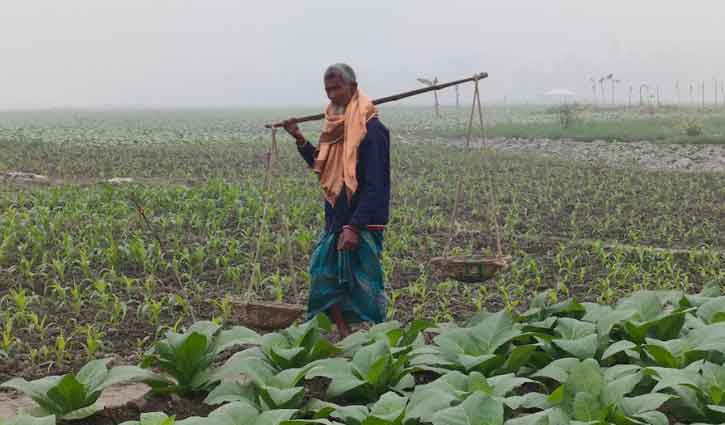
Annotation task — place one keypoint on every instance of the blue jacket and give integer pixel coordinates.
(370, 204)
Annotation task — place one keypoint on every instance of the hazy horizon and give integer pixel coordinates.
(168, 54)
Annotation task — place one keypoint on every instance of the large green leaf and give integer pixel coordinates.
(587, 407)
(494, 332)
(298, 346)
(186, 357)
(558, 370)
(124, 374)
(238, 335)
(245, 414)
(585, 377)
(476, 348)
(616, 389)
(232, 391)
(652, 417)
(707, 338)
(282, 398)
(454, 387)
(518, 357)
(244, 363)
(713, 385)
(503, 385)
(38, 391)
(390, 408)
(359, 339)
(365, 359)
(713, 310)
(577, 338)
(203, 327)
(539, 418)
(265, 390)
(531, 400)
(671, 378)
(191, 357)
(75, 396)
(428, 400)
(93, 375)
(643, 403)
(83, 412)
(613, 318)
(650, 317)
(340, 372)
(70, 394)
(667, 353)
(478, 409)
(540, 307)
(623, 346)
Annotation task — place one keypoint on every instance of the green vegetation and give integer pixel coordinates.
(664, 129)
(148, 270)
(186, 358)
(74, 397)
(655, 357)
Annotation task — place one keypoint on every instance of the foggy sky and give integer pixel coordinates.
(189, 53)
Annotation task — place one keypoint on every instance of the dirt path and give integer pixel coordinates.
(647, 155)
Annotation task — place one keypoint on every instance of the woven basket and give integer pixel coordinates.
(471, 269)
(267, 316)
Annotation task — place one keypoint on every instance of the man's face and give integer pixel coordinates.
(338, 92)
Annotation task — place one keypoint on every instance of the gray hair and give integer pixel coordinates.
(342, 70)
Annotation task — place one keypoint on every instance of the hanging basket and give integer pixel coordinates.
(472, 268)
(267, 316)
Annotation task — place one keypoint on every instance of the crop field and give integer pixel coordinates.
(628, 265)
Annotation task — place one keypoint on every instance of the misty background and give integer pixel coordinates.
(219, 53)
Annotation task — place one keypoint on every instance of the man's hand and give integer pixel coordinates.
(291, 127)
(348, 239)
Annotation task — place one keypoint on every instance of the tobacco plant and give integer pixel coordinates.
(186, 358)
(75, 396)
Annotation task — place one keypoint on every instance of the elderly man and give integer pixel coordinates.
(352, 162)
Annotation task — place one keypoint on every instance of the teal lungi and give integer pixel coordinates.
(354, 279)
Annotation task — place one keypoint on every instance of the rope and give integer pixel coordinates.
(271, 160)
(459, 186)
(489, 174)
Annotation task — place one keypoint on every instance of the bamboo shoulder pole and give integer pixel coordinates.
(392, 98)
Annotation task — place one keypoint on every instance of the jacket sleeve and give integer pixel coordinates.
(374, 188)
(308, 153)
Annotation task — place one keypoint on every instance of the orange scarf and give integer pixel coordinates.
(336, 156)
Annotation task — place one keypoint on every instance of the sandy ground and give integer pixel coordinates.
(644, 154)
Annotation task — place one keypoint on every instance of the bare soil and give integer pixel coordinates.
(647, 155)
